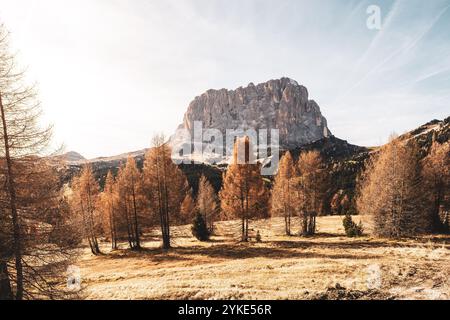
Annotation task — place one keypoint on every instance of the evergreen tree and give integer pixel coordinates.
(199, 228)
(351, 228)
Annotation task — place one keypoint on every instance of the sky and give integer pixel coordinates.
(112, 73)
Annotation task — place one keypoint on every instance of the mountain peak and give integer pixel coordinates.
(280, 104)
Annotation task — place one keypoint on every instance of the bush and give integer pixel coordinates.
(199, 228)
(258, 237)
(351, 228)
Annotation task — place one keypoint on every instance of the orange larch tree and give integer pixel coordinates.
(131, 197)
(282, 191)
(84, 202)
(243, 194)
(207, 202)
(165, 186)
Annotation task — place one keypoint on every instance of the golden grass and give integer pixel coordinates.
(328, 265)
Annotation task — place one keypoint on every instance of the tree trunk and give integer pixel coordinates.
(286, 224)
(136, 225)
(112, 227)
(13, 206)
(289, 223)
(166, 240)
(243, 229)
(5, 285)
(246, 229)
(437, 224)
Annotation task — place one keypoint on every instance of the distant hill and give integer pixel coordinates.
(71, 156)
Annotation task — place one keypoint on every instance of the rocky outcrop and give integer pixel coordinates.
(280, 104)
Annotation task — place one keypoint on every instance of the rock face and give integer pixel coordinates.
(280, 104)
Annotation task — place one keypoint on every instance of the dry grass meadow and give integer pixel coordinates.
(326, 266)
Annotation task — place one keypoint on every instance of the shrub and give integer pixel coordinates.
(199, 228)
(351, 228)
(258, 237)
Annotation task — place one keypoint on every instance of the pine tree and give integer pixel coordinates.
(389, 191)
(243, 194)
(351, 228)
(165, 186)
(281, 200)
(207, 202)
(199, 228)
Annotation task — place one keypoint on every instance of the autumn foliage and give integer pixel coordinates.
(243, 195)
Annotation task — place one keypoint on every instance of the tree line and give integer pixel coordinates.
(404, 194)
(133, 200)
(160, 195)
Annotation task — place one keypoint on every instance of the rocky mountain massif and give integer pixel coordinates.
(280, 104)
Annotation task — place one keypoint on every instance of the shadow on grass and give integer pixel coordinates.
(276, 250)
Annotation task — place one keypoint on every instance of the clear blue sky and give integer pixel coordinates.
(113, 72)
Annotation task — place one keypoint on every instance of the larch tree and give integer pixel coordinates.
(243, 193)
(345, 204)
(436, 173)
(335, 203)
(309, 189)
(131, 196)
(109, 207)
(123, 220)
(45, 226)
(207, 202)
(30, 196)
(389, 191)
(165, 186)
(282, 191)
(84, 202)
(187, 209)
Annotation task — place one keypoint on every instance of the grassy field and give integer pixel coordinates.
(326, 266)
